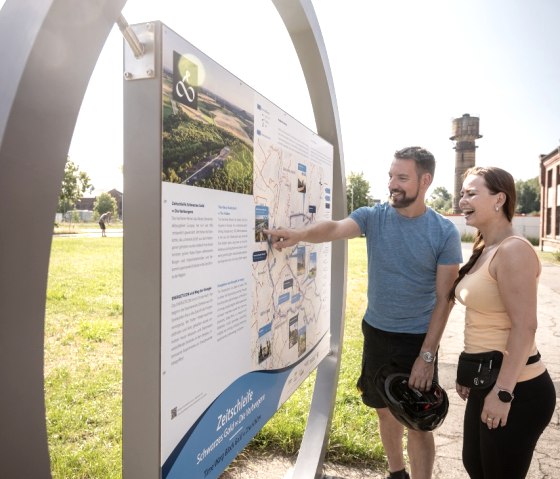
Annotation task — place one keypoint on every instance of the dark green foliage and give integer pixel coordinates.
(237, 174)
(104, 203)
(441, 200)
(528, 196)
(74, 184)
(188, 144)
(357, 192)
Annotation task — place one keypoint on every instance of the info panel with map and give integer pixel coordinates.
(242, 325)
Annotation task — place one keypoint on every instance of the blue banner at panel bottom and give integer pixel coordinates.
(226, 427)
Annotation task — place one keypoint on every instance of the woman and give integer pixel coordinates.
(498, 287)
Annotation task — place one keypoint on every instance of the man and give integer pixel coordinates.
(105, 217)
(413, 259)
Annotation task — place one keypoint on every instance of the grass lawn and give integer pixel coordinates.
(83, 357)
(83, 367)
(68, 228)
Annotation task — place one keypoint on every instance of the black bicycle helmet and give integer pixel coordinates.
(419, 410)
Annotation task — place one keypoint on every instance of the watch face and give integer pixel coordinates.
(427, 356)
(505, 396)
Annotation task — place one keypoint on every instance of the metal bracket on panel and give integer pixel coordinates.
(139, 52)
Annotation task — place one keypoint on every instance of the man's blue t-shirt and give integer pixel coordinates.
(403, 255)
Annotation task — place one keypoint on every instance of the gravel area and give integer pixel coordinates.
(277, 467)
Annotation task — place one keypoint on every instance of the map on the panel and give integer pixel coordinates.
(291, 288)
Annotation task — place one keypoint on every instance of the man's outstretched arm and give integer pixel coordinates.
(320, 232)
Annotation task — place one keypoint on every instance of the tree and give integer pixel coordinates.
(103, 203)
(528, 196)
(357, 192)
(441, 200)
(74, 184)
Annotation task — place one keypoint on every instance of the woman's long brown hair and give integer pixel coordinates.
(497, 181)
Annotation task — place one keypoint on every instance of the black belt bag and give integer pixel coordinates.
(480, 370)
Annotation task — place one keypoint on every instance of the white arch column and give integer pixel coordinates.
(303, 26)
(48, 50)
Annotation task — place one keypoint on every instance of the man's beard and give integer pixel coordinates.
(403, 201)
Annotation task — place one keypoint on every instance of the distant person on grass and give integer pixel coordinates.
(104, 218)
(413, 259)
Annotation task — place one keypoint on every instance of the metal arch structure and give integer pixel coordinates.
(49, 49)
(303, 27)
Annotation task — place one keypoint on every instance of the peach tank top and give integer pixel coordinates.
(487, 324)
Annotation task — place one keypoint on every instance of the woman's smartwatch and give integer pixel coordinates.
(504, 395)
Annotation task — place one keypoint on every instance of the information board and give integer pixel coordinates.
(242, 325)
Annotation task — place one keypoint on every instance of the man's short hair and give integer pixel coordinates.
(425, 161)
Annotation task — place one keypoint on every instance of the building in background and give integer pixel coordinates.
(550, 201)
(118, 197)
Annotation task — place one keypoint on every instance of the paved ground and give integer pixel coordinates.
(91, 233)
(448, 465)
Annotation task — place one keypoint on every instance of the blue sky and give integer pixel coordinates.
(402, 71)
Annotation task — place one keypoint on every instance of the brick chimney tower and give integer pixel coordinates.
(465, 132)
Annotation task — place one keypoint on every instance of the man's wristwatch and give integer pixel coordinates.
(427, 356)
(504, 395)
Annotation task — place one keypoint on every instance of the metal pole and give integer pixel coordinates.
(130, 36)
(49, 49)
(303, 27)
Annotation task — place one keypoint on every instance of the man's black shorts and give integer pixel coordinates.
(399, 350)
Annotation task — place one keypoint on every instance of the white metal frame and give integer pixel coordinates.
(48, 54)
